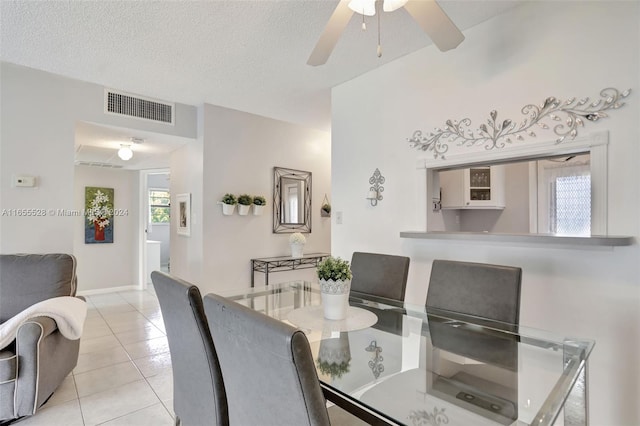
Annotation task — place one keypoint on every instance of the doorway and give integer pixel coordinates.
(155, 222)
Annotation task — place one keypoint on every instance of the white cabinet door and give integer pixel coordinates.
(473, 188)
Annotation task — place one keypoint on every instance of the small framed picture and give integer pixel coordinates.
(184, 214)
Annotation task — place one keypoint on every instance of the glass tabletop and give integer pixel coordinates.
(411, 366)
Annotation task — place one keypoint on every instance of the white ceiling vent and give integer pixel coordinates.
(121, 103)
(98, 164)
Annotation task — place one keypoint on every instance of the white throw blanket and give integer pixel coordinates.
(68, 313)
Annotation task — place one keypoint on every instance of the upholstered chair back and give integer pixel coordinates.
(199, 396)
(380, 275)
(26, 279)
(268, 369)
(478, 289)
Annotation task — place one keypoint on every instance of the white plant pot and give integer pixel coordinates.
(243, 210)
(228, 209)
(335, 298)
(297, 249)
(257, 210)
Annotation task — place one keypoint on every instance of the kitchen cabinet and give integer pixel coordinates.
(473, 188)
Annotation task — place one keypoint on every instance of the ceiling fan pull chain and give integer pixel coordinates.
(379, 45)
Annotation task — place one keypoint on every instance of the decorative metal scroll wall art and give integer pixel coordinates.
(497, 134)
(424, 418)
(376, 189)
(375, 364)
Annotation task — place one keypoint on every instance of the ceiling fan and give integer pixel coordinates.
(427, 13)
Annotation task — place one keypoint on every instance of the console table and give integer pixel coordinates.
(284, 263)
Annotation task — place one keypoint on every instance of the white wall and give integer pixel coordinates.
(540, 49)
(103, 266)
(38, 113)
(240, 151)
(186, 178)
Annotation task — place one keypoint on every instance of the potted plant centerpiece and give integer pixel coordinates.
(335, 282)
(297, 242)
(229, 202)
(244, 204)
(258, 204)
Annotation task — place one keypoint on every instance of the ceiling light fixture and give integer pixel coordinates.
(368, 8)
(125, 152)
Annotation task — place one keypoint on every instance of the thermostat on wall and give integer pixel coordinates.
(28, 181)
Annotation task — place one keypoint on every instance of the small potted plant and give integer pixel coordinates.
(258, 204)
(297, 242)
(325, 210)
(335, 276)
(244, 204)
(229, 202)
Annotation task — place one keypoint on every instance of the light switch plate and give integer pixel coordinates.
(26, 181)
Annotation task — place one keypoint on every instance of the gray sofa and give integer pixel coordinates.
(38, 360)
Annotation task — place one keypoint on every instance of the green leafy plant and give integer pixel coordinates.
(326, 207)
(229, 199)
(332, 369)
(245, 199)
(259, 200)
(334, 268)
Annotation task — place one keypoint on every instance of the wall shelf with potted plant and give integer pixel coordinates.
(325, 209)
(258, 205)
(228, 202)
(244, 204)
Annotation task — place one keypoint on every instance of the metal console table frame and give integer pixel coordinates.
(284, 263)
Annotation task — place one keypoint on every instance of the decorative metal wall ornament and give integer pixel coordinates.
(497, 134)
(376, 189)
(422, 418)
(375, 364)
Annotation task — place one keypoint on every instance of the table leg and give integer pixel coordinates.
(576, 409)
(266, 274)
(253, 273)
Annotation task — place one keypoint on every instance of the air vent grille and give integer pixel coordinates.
(135, 106)
(98, 164)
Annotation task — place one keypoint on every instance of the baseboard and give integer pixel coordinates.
(107, 290)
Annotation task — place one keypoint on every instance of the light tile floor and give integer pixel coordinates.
(123, 376)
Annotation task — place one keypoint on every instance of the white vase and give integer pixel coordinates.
(297, 249)
(257, 210)
(335, 298)
(243, 210)
(228, 209)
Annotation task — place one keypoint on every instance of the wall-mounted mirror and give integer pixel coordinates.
(291, 200)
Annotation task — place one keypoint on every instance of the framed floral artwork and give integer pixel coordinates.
(184, 214)
(98, 224)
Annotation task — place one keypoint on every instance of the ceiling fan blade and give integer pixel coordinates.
(435, 22)
(337, 23)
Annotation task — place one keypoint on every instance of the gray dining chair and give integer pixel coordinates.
(268, 369)
(379, 275)
(477, 289)
(199, 396)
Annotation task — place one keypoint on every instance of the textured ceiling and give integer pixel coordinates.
(246, 55)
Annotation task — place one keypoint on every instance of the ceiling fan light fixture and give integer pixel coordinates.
(363, 7)
(391, 5)
(125, 153)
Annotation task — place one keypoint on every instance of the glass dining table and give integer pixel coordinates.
(396, 363)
